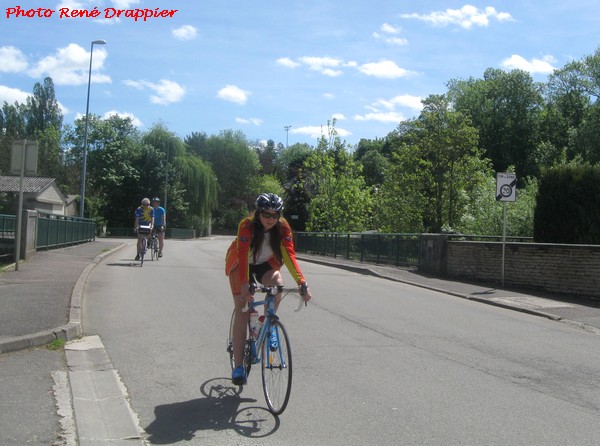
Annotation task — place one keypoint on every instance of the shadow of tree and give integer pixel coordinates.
(218, 410)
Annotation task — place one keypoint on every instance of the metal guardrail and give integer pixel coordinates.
(58, 230)
(388, 249)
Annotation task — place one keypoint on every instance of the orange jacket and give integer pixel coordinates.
(238, 252)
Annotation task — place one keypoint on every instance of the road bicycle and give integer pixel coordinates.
(271, 349)
(153, 246)
(143, 230)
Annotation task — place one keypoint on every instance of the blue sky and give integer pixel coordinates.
(259, 66)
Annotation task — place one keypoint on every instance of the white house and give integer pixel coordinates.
(39, 194)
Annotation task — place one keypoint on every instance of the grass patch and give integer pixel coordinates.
(57, 344)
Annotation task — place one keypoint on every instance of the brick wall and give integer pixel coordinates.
(570, 269)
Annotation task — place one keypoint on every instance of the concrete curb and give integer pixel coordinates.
(72, 329)
(366, 270)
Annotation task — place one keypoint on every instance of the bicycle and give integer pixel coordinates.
(143, 230)
(153, 245)
(271, 349)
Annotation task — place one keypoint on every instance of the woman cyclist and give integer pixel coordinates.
(263, 245)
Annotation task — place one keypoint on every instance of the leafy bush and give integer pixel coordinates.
(568, 206)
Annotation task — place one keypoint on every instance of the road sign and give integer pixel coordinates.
(30, 151)
(506, 186)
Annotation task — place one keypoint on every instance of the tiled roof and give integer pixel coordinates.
(10, 183)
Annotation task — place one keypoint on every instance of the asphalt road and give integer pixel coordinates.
(375, 361)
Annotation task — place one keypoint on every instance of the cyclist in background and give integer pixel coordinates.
(263, 245)
(160, 224)
(144, 216)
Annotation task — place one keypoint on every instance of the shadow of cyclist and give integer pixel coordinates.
(218, 410)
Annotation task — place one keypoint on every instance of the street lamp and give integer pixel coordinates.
(287, 132)
(85, 138)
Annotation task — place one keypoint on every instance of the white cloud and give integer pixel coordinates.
(232, 93)
(316, 131)
(186, 32)
(384, 69)
(385, 117)
(465, 17)
(405, 100)
(328, 95)
(324, 65)
(71, 4)
(389, 29)
(287, 62)
(166, 91)
(12, 95)
(384, 110)
(134, 120)
(12, 60)
(70, 66)
(338, 116)
(253, 121)
(388, 35)
(124, 4)
(533, 66)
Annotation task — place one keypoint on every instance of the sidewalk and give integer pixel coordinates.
(42, 301)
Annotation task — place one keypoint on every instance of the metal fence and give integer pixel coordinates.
(8, 223)
(58, 230)
(388, 249)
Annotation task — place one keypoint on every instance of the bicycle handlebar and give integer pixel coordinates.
(254, 287)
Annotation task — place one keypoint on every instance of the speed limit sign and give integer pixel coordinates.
(506, 185)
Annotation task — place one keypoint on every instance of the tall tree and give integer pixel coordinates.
(505, 107)
(235, 165)
(439, 152)
(339, 199)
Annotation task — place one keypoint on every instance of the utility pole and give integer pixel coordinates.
(287, 132)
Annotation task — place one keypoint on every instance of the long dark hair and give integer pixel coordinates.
(258, 236)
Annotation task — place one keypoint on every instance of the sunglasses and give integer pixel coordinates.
(266, 214)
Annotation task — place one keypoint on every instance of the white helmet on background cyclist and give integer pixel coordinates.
(146, 201)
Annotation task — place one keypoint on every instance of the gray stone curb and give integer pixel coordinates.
(366, 270)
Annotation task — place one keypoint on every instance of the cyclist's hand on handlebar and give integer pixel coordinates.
(305, 292)
(246, 293)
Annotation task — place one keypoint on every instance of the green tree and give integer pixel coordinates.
(505, 107)
(340, 201)
(438, 153)
(236, 165)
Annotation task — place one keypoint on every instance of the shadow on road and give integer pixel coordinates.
(218, 410)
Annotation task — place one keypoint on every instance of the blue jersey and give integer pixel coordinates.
(144, 215)
(159, 216)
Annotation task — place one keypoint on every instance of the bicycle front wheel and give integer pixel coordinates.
(143, 251)
(277, 369)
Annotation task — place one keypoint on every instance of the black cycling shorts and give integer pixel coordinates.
(259, 270)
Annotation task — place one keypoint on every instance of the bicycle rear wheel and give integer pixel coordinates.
(277, 370)
(153, 252)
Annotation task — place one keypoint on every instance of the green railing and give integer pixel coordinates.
(388, 249)
(57, 230)
(8, 223)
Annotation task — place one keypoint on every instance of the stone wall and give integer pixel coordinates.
(558, 268)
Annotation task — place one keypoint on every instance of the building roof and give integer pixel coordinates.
(11, 183)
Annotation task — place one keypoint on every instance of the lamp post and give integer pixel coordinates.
(287, 132)
(85, 138)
